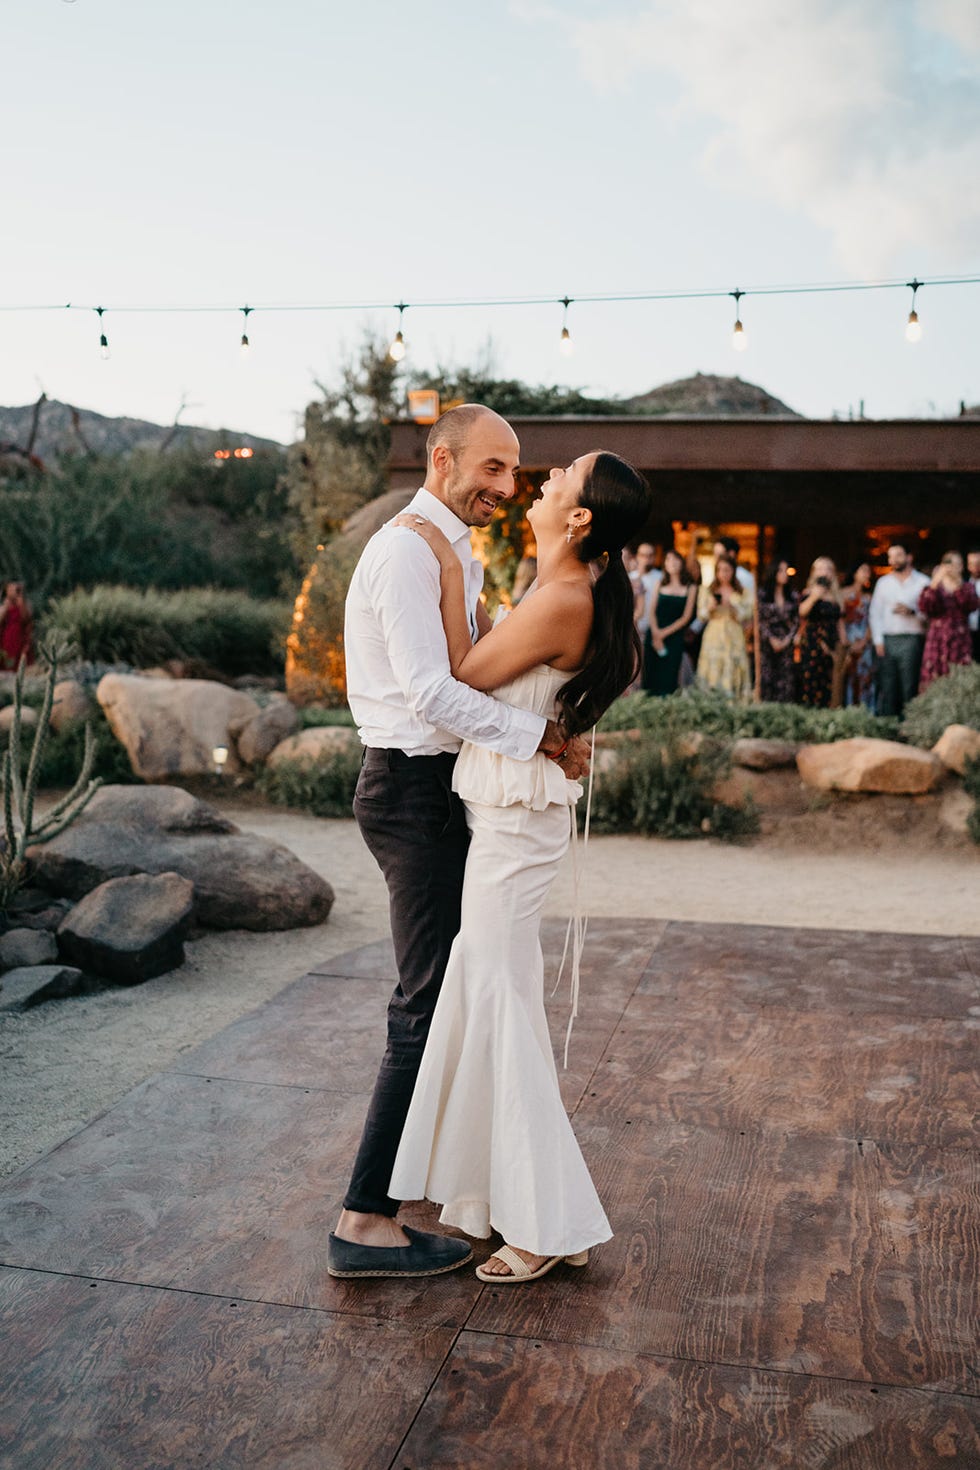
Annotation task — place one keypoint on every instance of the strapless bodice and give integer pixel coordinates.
(483, 776)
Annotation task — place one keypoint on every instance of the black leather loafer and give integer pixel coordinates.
(425, 1255)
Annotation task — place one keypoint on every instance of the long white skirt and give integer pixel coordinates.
(487, 1135)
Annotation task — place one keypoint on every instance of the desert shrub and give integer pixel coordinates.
(952, 700)
(715, 714)
(324, 788)
(229, 631)
(665, 790)
(315, 716)
(63, 756)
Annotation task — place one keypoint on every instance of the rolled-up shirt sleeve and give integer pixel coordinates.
(407, 603)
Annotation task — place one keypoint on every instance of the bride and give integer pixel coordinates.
(487, 1136)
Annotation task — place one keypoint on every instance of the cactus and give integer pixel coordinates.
(18, 793)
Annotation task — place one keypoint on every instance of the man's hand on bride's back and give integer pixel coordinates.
(576, 761)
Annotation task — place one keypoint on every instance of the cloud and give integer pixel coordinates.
(861, 114)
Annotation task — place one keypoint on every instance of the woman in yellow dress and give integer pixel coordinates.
(724, 608)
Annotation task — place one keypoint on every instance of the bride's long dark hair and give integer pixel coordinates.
(620, 501)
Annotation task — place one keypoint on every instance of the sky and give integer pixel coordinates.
(221, 153)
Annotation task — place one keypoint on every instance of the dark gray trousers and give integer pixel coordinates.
(898, 672)
(415, 828)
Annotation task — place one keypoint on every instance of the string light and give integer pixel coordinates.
(398, 348)
(739, 337)
(913, 327)
(103, 339)
(565, 344)
(245, 311)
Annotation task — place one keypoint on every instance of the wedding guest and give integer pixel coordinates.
(16, 626)
(947, 604)
(859, 683)
(973, 572)
(779, 619)
(646, 578)
(898, 630)
(669, 611)
(724, 608)
(728, 546)
(821, 631)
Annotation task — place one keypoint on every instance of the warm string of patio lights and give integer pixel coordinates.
(399, 347)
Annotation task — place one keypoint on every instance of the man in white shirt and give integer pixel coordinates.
(412, 716)
(973, 573)
(898, 630)
(647, 576)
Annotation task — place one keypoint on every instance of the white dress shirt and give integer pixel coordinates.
(399, 685)
(973, 621)
(889, 589)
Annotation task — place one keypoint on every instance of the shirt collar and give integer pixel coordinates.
(440, 515)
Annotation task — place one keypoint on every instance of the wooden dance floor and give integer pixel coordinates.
(782, 1126)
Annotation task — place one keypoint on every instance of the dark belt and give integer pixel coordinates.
(397, 760)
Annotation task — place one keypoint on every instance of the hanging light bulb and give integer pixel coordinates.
(398, 346)
(103, 339)
(565, 344)
(740, 338)
(913, 327)
(244, 347)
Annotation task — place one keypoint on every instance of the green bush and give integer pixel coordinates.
(713, 713)
(952, 700)
(315, 716)
(667, 791)
(229, 631)
(324, 788)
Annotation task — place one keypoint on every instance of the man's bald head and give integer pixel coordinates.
(455, 426)
(473, 456)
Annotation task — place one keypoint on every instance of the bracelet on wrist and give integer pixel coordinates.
(559, 754)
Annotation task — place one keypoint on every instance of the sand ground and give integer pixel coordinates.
(64, 1063)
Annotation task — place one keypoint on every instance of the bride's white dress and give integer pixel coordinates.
(487, 1135)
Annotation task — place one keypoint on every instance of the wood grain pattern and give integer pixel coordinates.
(102, 1376)
(857, 1075)
(228, 1187)
(699, 966)
(502, 1402)
(800, 1253)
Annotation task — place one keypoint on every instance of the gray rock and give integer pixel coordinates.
(22, 989)
(130, 929)
(26, 947)
(47, 918)
(258, 737)
(241, 881)
(763, 755)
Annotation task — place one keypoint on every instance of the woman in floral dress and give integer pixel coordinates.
(821, 630)
(859, 686)
(947, 603)
(724, 608)
(779, 618)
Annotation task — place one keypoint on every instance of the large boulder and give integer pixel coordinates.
(130, 929)
(171, 727)
(241, 881)
(865, 764)
(320, 743)
(957, 745)
(763, 755)
(72, 704)
(256, 737)
(20, 947)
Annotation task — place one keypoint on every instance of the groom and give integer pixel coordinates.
(412, 716)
